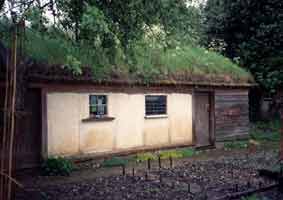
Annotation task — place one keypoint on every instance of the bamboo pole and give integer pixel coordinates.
(5, 127)
(12, 117)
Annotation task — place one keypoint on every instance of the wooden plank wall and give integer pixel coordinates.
(27, 149)
(231, 114)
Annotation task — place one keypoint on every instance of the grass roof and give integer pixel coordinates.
(150, 64)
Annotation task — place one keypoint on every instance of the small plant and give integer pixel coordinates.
(188, 152)
(145, 156)
(253, 197)
(114, 162)
(172, 154)
(57, 167)
(266, 131)
(236, 145)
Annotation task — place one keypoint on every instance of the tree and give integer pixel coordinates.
(253, 32)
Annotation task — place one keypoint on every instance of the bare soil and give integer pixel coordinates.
(209, 175)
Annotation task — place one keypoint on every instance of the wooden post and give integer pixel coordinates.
(281, 135)
(133, 172)
(279, 100)
(123, 170)
(171, 161)
(7, 143)
(13, 105)
(148, 164)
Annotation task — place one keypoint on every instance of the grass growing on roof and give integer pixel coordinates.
(147, 61)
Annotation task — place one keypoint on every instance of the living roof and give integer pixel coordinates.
(182, 65)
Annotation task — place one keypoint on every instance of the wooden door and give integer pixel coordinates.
(28, 132)
(202, 119)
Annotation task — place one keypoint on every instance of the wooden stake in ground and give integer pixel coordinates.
(13, 105)
(280, 105)
(7, 143)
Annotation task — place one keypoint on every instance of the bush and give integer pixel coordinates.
(57, 167)
(266, 131)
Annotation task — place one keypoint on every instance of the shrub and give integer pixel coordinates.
(57, 167)
(266, 131)
(114, 162)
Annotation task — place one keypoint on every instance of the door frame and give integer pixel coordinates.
(211, 96)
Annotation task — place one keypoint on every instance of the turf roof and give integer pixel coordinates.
(183, 65)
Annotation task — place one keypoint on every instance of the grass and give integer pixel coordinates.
(177, 153)
(142, 157)
(114, 162)
(260, 133)
(266, 131)
(253, 197)
(236, 145)
(148, 62)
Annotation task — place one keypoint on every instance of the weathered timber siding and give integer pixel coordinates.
(27, 148)
(231, 114)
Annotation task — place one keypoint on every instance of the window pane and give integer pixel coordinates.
(156, 105)
(97, 105)
(92, 99)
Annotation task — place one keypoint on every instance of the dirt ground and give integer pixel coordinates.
(209, 175)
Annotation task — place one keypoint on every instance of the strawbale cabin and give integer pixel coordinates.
(62, 114)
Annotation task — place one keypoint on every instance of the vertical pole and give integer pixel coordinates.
(159, 162)
(4, 136)
(133, 172)
(13, 101)
(148, 164)
(123, 170)
(281, 134)
(171, 161)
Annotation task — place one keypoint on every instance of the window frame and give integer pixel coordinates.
(153, 113)
(90, 105)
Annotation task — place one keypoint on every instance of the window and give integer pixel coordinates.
(155, 105)
(97, 105)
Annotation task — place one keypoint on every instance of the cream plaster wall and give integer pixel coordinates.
(68, 135)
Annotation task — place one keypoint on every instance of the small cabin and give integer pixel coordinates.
(62, 114)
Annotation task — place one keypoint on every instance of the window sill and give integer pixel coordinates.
(155, 116)
(96, 119)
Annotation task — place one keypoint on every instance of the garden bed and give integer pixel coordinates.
(209, 178)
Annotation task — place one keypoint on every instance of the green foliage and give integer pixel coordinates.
(236, 145)
(266, 131)
(178, 153)
(57, 167)
(141, 157)
(188, 152)
(172, 154)
(253, 197)
(114, 162)
(148, 61)
(253, 33)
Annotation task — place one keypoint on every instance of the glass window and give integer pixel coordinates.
(98, 105)
(155, 104)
